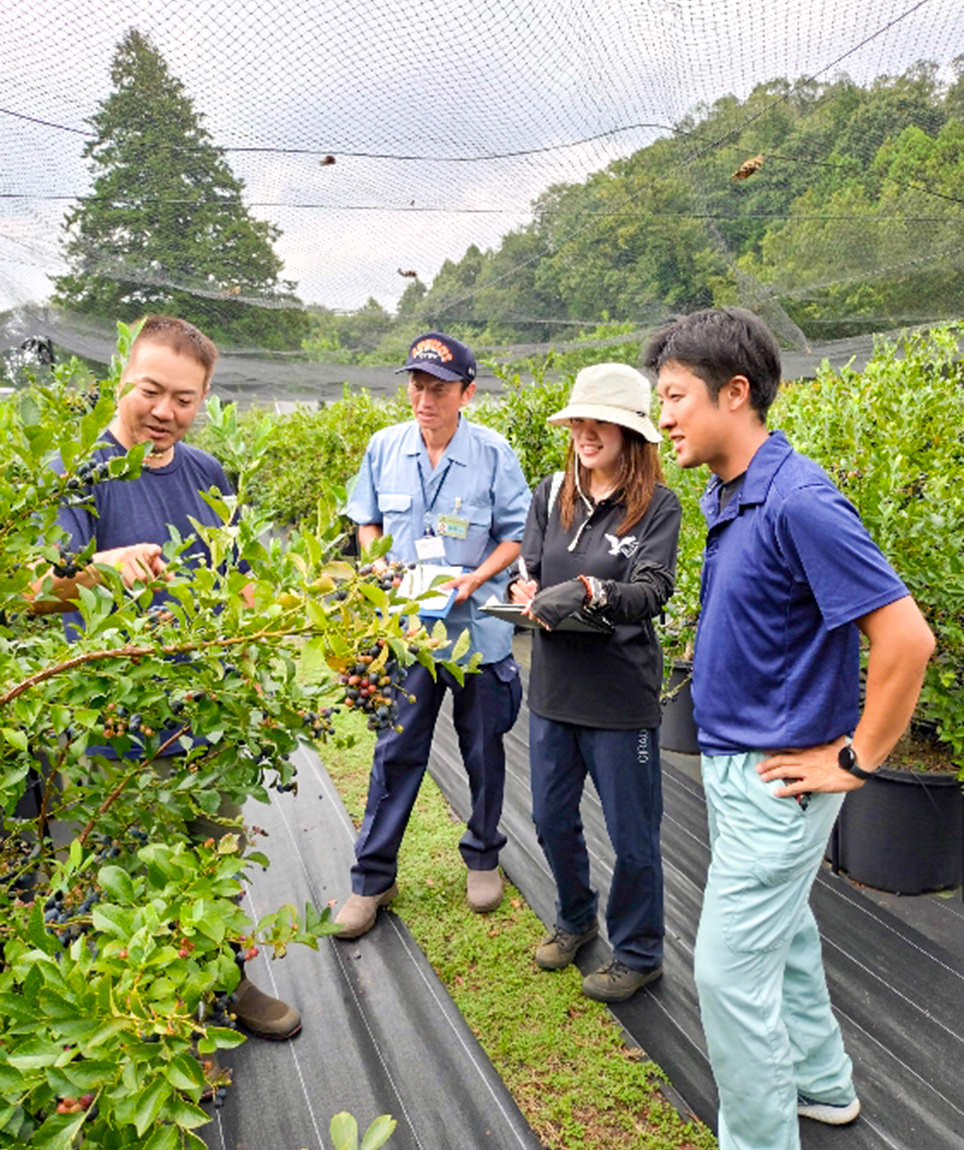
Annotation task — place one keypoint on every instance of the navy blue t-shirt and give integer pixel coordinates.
(788, 569)
(143, 510)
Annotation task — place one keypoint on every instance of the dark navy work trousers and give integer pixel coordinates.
(483, 709)
(624, 767)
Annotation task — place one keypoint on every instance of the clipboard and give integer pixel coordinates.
(418, 581)
(513, 613)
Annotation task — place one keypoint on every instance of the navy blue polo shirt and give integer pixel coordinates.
(788, 569)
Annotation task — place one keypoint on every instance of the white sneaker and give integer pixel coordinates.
(827, 1112)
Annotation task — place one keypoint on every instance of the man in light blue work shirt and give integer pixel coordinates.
(447, 491)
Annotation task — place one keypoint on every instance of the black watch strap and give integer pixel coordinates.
(848, 761)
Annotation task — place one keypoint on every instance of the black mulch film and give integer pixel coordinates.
(381, 1035)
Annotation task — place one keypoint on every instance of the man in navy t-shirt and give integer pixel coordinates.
(163, 385)
(790, 581)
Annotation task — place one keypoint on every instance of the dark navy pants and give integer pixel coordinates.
(624, 767)
(483, 710)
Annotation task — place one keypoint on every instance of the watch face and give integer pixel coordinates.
(846, 758)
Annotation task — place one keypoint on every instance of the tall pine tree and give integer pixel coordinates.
(164, 227)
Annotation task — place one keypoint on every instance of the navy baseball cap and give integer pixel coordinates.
(442, 356)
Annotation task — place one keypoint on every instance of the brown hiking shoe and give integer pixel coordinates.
(617, 981)
(483, 889)
(263, 1015)
(358, 915)
(559, 948)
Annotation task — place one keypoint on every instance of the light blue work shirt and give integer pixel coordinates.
(478, 478)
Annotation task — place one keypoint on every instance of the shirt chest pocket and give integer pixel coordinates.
(395, 509)
(470, 551)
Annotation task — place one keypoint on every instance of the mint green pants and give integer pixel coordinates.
(764, 1004)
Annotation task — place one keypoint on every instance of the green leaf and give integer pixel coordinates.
(461, 645)
(375, 595)
(100, 1033)
(219, 1038)
(29, 410)
(12, 1006)
(344, 1131)
(379, 1132)
(11, 1081)
(35, 1054)
(37, 932)
(190, 1139)
(148, 1104)
(115, 920)
(89, 1074)
(55, 1006)
(15, 738)
(185, 1073)
(59, 1131)
(163, 1138)
(313, 656)
(117, 883)
(185, 1114)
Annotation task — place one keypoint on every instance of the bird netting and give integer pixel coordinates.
(531, 172)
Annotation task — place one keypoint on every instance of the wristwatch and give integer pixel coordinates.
(847, 759)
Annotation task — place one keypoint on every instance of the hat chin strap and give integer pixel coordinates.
(587, 503)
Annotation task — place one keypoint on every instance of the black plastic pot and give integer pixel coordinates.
(902, 832)
(678, 730)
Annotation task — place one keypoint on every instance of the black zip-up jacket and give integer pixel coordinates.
(607, 681)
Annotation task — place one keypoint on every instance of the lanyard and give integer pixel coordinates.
(421, 479)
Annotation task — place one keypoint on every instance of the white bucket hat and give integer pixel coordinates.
(611, 393)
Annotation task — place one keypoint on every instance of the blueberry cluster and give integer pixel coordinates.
(88, 472)
(67, 568)
(388, 575)
(117, 723)
(319, 723)
(374, 692)
(219, 1011)
(157, 614)
(62, 912)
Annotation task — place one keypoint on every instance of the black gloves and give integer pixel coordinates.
(554, 604)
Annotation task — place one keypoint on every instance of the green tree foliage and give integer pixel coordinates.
(847, 226)
(164, 227)
(361, 331)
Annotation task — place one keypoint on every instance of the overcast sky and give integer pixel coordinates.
(419, 102)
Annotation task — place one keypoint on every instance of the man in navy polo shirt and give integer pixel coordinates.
(447, 491)
(790, 581)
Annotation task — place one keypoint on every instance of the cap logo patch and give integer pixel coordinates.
(432, 349)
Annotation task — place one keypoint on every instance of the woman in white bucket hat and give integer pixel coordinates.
(599, 559)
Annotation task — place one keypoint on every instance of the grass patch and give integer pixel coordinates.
(561, 1055)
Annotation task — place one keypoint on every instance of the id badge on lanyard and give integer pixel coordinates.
(429, 547)
(454, 526)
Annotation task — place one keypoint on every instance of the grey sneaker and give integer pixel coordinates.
(483, 889)
(827, 1112)
(617, 981)
(358, 915)
(559, 948)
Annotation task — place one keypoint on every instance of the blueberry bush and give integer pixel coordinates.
(119, 931)
(892, 438)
